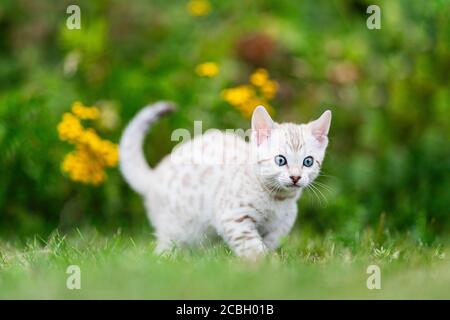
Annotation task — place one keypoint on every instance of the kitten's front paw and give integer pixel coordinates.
(253, 257)
(253, 252)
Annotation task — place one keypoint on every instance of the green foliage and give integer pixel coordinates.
(388, 90)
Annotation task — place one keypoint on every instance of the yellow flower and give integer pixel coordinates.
(247, 97)
(247, 108)
(269, 89)
(92, 154)
(199, 8)
(70, 128)
(238, 95)
(82, 167)
(207, 69)
(85, 113)
(109, 152)
(259, 77)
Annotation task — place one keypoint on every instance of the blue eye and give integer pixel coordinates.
(280, 160)
(308, 161)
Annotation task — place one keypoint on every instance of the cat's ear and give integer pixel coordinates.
(262, 124)
(320, 127)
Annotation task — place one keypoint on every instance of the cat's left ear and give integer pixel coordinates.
(262, 124)
(321, 126)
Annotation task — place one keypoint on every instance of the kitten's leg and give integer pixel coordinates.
(279, 229)
(273, 238)
(163, 247)
(239, 230)
(165, 244)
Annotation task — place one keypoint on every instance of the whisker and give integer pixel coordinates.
(314, 192)
(327, 175)
(324, 197)
(323, 185)
(271, 187)
(320, 192)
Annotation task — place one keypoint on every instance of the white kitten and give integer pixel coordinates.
(222, 185)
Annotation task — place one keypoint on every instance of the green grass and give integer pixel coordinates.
(307, 266)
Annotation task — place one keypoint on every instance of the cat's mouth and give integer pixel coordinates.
(294, 185)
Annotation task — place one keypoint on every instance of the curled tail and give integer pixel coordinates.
(133, 165)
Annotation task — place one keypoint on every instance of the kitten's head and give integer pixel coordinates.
(288, 155)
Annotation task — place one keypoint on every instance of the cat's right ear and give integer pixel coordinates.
(321, 126)
(262, 125)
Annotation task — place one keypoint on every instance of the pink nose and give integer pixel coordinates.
(295, 178)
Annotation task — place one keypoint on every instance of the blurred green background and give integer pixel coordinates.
(389, 157)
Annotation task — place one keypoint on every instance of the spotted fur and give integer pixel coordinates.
(222, 185)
